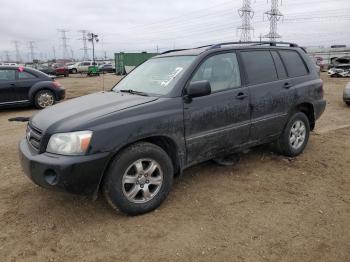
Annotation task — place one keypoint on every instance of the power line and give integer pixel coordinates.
(246, 13)
(64, 40)
(274, 15)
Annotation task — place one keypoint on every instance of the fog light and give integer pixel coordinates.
(51, 177)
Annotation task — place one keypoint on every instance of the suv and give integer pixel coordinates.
(175, 110)
(27, 86)
(82, 67)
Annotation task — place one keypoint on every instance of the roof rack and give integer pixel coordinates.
(251, 43)
(173, 50)
(254, 43)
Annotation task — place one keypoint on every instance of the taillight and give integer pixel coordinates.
(321, 90)
(56, 84)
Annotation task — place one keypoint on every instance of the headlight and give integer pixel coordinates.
(75, 143)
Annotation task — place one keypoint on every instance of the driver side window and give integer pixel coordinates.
(222, 72)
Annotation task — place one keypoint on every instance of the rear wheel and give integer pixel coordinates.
(139, 179)
(43, 99)
(295, 136)
(74, 71)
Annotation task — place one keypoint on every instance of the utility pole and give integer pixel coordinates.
(246, 13)
(31, 48)
(18, 54)
(64, 40)
(85, 47)
(274, 15)
(93, 38)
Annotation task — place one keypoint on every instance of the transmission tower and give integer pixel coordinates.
(64, 39)
(274, 15)
(54, 52)
(31, 48)
(246, 13)
(18, 54)
(7, 56)
(85, 47)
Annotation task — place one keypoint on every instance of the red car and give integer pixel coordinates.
(61, 70)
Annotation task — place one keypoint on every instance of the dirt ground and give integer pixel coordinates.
(266, 208)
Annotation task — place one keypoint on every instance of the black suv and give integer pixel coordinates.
(175, 110)
(27, 86)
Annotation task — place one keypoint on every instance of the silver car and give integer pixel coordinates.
(346, 94)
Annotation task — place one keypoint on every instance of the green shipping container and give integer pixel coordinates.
(125, 62)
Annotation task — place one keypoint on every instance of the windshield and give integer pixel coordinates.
(156, 76)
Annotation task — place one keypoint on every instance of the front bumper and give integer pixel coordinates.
(74, 174)
(346, 95)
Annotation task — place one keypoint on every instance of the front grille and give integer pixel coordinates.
(34, 136)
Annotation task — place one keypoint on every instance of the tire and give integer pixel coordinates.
(348, 103)
(74, 71)
(44, 98)
(298, 127)
(130, 197)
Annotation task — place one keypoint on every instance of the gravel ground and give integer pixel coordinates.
(266, 208)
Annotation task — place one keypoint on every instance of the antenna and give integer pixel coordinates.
(85, 48)
(246, 13)
(274, 15)
(64, 42)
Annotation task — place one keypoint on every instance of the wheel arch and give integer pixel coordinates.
(166, 143)
(308, 109)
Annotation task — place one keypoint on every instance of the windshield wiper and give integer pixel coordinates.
(130, 91)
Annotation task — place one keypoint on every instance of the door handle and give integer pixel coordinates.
(287, 85)
(241, 95)
(12, 84)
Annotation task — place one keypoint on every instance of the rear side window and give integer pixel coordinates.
(259, 67)
(294, 64)
(281, 71)
(7, 75)
(25, 75)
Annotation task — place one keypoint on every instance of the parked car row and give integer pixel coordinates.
(83, 67)
(54, 70)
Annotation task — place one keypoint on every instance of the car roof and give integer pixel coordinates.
(28, 69)
(228, 46)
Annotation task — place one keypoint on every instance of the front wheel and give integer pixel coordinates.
(139, 179)
(43, 99)
(295, 136)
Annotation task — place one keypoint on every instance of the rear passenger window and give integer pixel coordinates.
(281, 71)
(25, 75)
(259, 67)
(294, 63)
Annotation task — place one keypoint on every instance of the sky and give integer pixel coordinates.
(134, 26)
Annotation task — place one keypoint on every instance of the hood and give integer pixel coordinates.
(79, 111)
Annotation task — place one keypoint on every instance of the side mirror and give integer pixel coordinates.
(198, 88)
